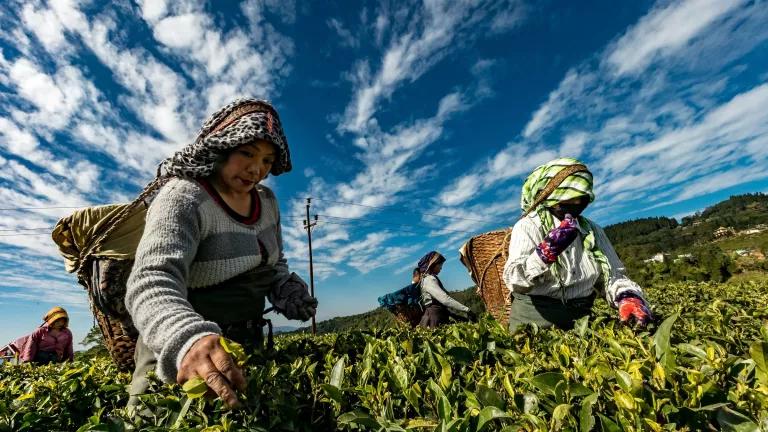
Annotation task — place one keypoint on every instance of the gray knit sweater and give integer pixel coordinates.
(191, 242)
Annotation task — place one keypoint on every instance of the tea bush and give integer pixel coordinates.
(703, 366)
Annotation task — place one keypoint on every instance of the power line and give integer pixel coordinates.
(24, 234)
(26, 229)
(394, 208)
(44, 208)
(401, 230)
(406, 210)
(397, 224)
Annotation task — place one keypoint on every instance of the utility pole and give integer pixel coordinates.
(308, 226)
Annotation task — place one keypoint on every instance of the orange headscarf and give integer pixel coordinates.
(57, 312)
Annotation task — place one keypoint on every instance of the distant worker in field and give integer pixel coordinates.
(211, 252)
(558, 259)
(49, 343)
(434, 298)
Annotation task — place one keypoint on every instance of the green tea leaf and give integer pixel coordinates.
(759, 353)
(488, 397)
(337, 373)
(586, 419)
(444, 409)
(625, 380)
(560, 413)
(234, 349)
(734, 421)
(195, 388)
(661, 342)
(608, 425)
(460, 355)
(359, 418)
(490, 413)
(547, 382)
(581, 326)
(333, 392)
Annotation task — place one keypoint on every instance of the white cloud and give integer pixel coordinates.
(649, 136)
(414, 52)
(573, 144)
(346, 38)
(664, 31)
(46, 26)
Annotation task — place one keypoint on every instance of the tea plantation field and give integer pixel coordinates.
(702, 367)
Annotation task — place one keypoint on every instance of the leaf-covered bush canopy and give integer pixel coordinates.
(704, 366)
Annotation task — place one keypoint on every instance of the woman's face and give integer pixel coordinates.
(59, 324)
(436, 268)
(246, 166)
(573, 207)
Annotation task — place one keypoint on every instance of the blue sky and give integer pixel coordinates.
(411, 124)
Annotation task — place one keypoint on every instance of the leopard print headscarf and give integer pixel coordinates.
(240, 122)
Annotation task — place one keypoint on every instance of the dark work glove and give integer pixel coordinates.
(558, 240)
(292, 299)
(301, 307)
(632, 308)
(471, 316)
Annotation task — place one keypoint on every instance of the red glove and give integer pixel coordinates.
(558, 240)
(632, 307)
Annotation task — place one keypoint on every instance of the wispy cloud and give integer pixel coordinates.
(427, 39)
(388, 156)
(647, 113)
(71, 136)
(664, 31)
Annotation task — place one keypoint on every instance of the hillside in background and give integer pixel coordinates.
(728, 238)
(655, 250)
(381, 318)
(649, 236)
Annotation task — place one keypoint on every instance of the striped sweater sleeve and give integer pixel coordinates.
(156, 292)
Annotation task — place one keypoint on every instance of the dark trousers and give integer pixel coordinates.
(434, 316)
(45, 357)
(547, 312)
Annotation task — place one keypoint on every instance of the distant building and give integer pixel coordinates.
(723, 232)
(682, 257)
(659, 258)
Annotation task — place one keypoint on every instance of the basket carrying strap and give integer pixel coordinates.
(498, 253)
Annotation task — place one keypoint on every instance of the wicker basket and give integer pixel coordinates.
(484, 256)
(408, 314)
(105, 284)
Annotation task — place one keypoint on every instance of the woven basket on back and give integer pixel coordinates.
(484, 256)
(408, 314)
(106, 291)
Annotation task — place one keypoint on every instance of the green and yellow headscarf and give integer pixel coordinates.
(575, 185)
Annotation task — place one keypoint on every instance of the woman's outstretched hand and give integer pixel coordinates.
(634, 309)
(208, 360)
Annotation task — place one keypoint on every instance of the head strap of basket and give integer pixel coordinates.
(243, 121)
